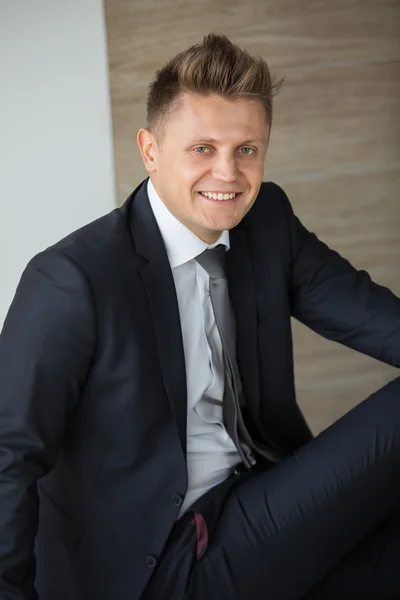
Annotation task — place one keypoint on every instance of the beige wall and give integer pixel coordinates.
(335, 144)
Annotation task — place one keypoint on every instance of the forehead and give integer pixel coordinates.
(212, 116)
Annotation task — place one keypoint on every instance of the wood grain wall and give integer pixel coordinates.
(335, 145)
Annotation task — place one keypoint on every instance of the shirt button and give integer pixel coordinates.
(176, 499)
(151, 561)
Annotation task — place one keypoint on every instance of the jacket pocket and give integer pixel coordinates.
(55, 523)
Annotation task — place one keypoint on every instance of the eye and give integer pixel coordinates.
(247, 151)
(201, 149)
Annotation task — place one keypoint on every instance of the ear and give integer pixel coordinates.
(148, 149)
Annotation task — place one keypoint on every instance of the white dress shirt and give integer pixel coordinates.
(211, 453)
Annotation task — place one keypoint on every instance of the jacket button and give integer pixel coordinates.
(151, 561)
(176, 499)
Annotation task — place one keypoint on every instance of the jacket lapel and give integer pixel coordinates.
(161, 294)
(160, 289)
(243, 299)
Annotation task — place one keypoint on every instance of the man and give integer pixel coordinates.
(150, 441)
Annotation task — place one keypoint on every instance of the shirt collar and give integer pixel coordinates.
(181, 244)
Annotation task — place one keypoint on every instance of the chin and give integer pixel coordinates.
(227, 225)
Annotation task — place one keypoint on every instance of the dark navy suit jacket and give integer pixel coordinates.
(93, 390)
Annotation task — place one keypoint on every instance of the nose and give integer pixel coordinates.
(225, 169)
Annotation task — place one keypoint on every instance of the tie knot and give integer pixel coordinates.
(213, 261)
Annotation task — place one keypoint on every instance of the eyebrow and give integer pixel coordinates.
(244, 143)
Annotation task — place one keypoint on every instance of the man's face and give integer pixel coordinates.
(209, 146)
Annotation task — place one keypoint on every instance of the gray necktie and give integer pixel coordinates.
(213, 261)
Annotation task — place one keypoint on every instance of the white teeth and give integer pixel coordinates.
(213, 196)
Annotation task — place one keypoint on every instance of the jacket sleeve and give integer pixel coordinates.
(338, 301)
(45, 351)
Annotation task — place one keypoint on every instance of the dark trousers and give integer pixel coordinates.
(322, 525)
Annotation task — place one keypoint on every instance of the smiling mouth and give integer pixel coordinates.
(220, 196)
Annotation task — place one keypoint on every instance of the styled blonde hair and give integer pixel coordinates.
(216, 66)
